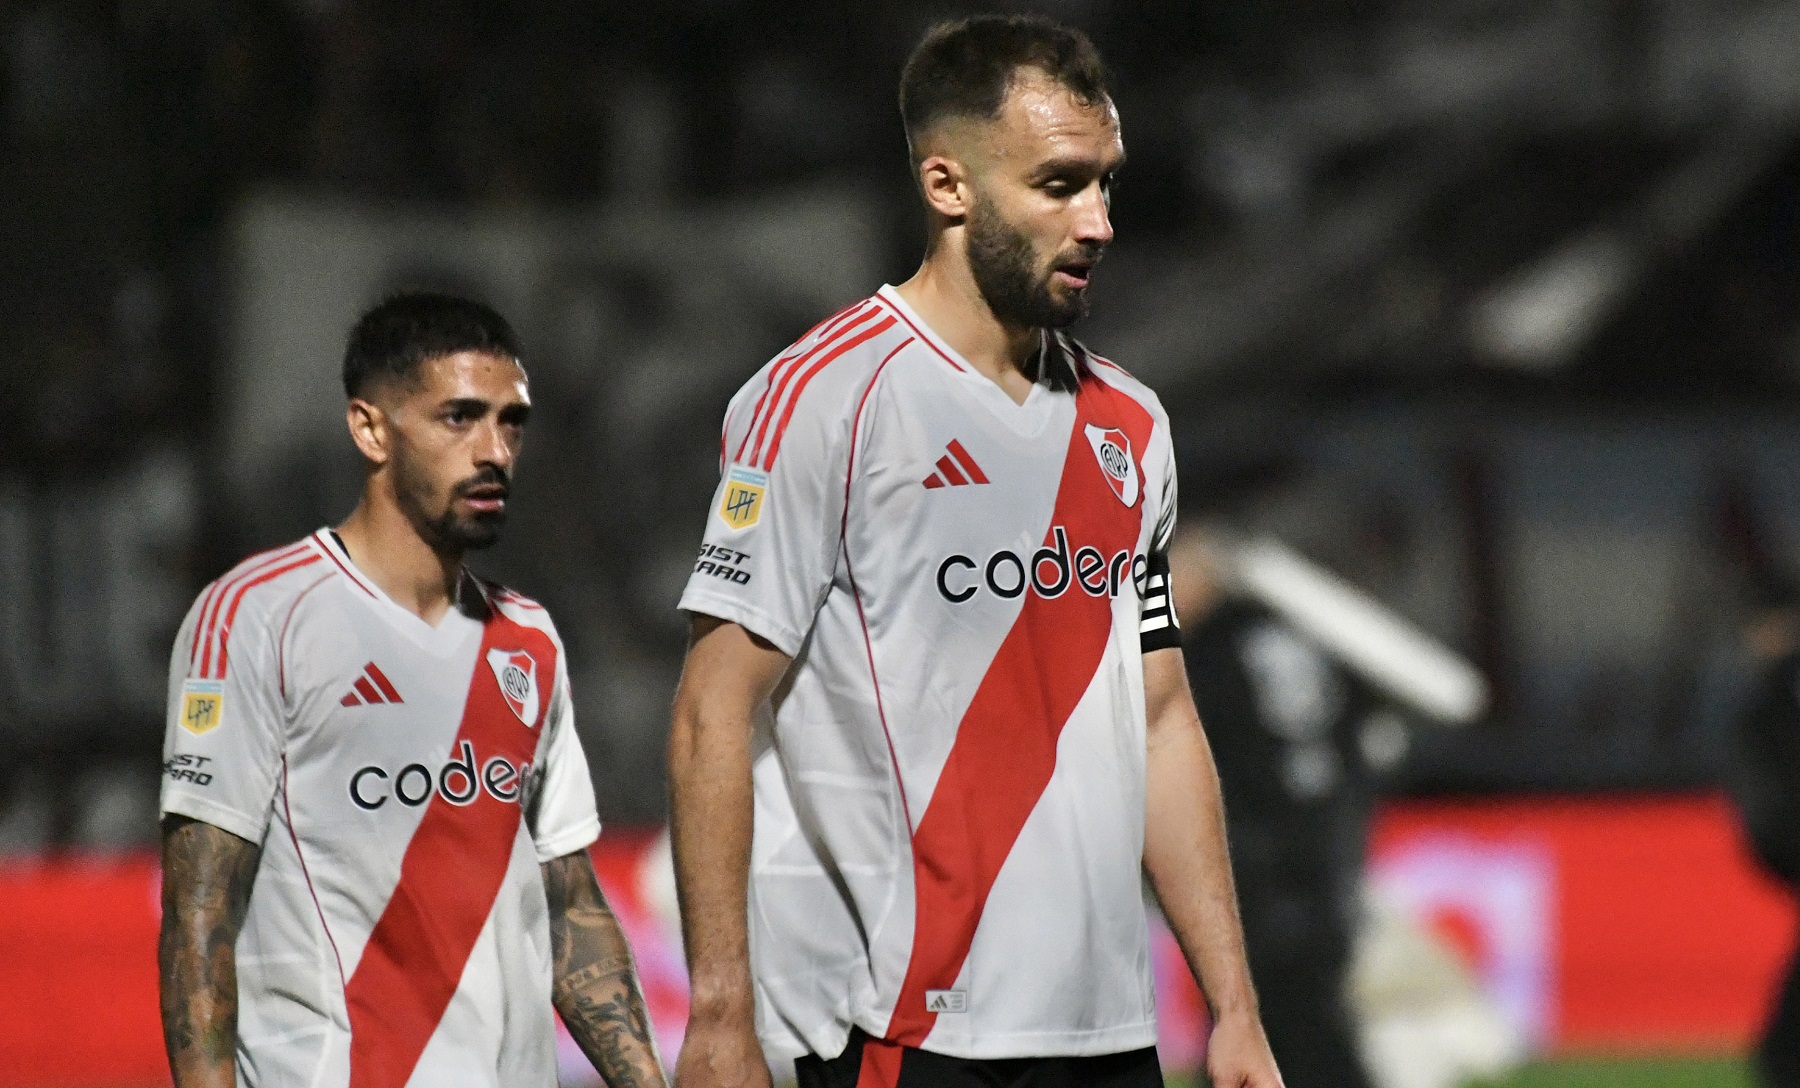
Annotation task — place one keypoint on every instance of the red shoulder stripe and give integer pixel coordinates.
(238, 599)
(209, 605)
(825, 328)
(215, 598)
(787, 377)
(783, 371)
(860, 338)
(206, 601)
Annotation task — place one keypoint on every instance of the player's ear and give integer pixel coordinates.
(369, 429)
(944, 182)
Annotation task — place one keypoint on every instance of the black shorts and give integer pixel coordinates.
(923, 1069)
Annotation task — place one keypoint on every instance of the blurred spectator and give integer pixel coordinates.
(1766, 786)
(1282, 719)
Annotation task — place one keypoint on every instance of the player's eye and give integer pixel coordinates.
(461, 413)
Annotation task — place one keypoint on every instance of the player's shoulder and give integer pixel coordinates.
(814, 383)
(519, 608)
(262, 582)
(253, 596)
(1095, 365)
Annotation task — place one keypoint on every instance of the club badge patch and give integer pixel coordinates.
(1113, 450)
(202, 705)
(742, 504)
(516, 673)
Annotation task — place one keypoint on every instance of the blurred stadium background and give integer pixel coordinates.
(1510, 283)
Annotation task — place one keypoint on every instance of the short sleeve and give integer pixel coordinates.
(1158, 628)
(224, 735)
(772, 532)
(563, 818)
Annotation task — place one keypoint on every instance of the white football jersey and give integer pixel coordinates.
(404, 782)
(949, 815)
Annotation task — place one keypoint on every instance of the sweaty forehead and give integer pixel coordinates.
(1041, 118)
(475, 374)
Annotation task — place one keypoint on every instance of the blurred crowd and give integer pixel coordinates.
(1508, 278)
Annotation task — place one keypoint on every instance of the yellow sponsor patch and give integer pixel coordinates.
(742, 505)
(202, 705)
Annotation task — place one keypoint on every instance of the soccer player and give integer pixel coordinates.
(376, 807)
(938, 553)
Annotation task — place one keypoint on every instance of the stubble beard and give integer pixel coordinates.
(1007, 272)
(445, 532)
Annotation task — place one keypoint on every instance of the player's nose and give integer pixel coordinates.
(1093, 220)
(496, 447)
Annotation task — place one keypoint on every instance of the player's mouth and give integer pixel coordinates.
(1073, 274)
(486, 498)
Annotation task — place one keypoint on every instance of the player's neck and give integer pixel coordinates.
(390, 552)
(943, 292)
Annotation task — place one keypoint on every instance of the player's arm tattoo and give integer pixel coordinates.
(207, 875)
(594, 983)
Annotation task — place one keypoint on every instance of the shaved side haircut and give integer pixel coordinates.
(964, 68)
(392, 341)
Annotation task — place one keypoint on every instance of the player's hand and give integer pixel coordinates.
(721, 1053)
(1238, 1054)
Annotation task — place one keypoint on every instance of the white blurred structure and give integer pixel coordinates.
(1388, 651)
(1424, 1019)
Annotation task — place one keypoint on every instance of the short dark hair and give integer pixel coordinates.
(391, 341)
(964, 68)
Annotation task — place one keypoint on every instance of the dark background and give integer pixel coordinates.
(1507, 287)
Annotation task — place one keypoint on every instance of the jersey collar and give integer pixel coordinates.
(473, 604)
(1054, 349)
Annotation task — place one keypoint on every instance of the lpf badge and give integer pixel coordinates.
(741, 507)
(516, 673)
(202, 705)
(1113, 450)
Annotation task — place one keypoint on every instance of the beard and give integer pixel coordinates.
(1011, 280)
(446, 531)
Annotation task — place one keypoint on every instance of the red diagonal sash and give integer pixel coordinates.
(1005, 748)
(449, 878)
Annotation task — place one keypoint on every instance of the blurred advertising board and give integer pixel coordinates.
(1605, 924)
(1597, 925)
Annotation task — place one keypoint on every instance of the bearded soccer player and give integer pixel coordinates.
(376, 808)
(938, 552)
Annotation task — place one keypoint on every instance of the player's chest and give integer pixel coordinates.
(956, 473)
(373, 697)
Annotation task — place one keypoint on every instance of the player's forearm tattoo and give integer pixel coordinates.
(596, 987)
(207, 876)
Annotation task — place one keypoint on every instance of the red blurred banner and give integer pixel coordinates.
(1603, 923)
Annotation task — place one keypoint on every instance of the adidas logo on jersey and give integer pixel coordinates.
(942, 1001)
(956, 468)
(371, 688)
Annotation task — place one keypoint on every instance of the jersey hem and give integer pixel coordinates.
(1023, 1044)
(579, 837)
(752, 619)
(208, 811)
